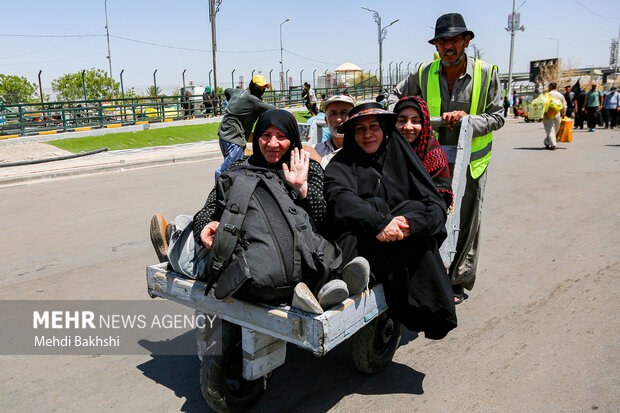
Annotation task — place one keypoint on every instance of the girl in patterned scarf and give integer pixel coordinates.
(414, 124)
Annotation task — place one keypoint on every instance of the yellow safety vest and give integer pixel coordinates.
(480, 145)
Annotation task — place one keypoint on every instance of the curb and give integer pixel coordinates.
(98, 169)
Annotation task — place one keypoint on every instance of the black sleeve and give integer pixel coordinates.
(314, 204)
(346, 210)
(207, 213)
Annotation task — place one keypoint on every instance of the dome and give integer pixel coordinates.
(348, 67)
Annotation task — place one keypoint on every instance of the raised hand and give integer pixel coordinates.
(297, 174)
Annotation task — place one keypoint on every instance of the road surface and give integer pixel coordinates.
(540, 331)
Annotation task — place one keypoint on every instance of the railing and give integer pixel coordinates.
(43, 118)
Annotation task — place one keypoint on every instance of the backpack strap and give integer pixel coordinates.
(229, 231)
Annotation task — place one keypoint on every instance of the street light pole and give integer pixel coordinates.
(512, 30)
(382, 33)
(282, 57)
(214, 7)
(557, 47)
(107, 31)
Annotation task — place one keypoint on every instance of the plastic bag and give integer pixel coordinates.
(565, 134)
(538, 107)
(554, 106)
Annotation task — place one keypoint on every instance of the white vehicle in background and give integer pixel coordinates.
(195, 91)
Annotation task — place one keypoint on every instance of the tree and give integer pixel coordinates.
(16, 89)
(98, 86)
(364, 80)
(153, 91)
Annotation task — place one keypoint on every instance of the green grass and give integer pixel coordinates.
(173, 135)
(302, 115)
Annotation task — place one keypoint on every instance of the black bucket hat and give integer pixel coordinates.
(450, 25)
(367, 109)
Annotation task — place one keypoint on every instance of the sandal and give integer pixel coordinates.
(459, 294)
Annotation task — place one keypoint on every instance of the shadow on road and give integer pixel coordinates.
(180, 374)
(304, 383)
(613, 146)
(536, 148)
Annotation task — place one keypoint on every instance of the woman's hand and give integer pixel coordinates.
(403, 224)
(297, 174)
(391, 232)
(208, 233)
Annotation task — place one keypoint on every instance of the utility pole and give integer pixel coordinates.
(382, 31)
(282, 78)
(214, 7)
(512, 30)
(40, 87)
(107, 31)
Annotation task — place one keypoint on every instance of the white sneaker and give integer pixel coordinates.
(356, 274)
(303, 299)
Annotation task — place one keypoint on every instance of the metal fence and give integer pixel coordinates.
(52, 117)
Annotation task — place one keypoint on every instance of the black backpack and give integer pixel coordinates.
(264, 243)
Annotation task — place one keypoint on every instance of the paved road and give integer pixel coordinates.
(539, 332)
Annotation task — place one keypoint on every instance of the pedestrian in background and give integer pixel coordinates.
(516, 101)
(312, 102)
(569, 96)
(580, 109)
(244, 107)
(612, 99)
(552, 125)
(594, 105)
(506, 106)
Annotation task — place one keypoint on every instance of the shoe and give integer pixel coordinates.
(332, 293)
(591, 129)
(459, 294)
(158, 237)
(304, 300)
(168, 233)
(356, 275)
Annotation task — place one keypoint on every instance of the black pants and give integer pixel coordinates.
(579, 119)
(592, 114)
(611, 118)
(416, 286)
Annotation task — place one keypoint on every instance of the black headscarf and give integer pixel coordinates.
(362, 200)
(386, 120)
(286, 123)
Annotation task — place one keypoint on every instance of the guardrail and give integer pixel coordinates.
(53, 117)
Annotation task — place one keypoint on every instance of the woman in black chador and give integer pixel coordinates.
(382, 205)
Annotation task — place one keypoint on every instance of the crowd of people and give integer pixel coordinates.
(379, 188)
(590, 108)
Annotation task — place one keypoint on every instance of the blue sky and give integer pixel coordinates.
(321, 35)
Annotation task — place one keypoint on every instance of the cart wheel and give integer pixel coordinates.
(374, 345)
(221, 381)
